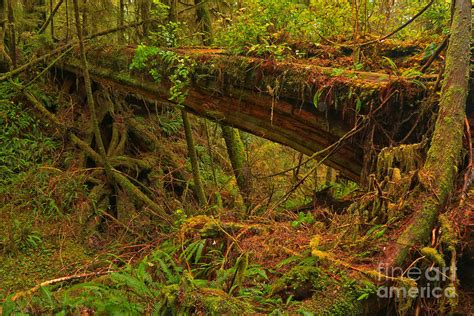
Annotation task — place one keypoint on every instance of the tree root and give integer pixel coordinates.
(118, 177)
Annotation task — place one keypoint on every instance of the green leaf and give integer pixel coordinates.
(363, 296)
(358, 105)
(316, 98)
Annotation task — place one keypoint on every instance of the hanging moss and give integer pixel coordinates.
(404, 157)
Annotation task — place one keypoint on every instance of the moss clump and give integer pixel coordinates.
(216, 302)
(301, 282)
(334, 303)
(433, 255)
(449, 236)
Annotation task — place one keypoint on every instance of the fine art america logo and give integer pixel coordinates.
(430, 287)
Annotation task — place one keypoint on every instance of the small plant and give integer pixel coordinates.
(179, 69)
(303, 218)
(337, 72)
(23, 144)
(21, 237)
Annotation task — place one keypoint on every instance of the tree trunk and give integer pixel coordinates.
(236, 151)
(173, 14)
(198, 187)
(11, 33)
(121, 21)
(440, 169)
(145, 7)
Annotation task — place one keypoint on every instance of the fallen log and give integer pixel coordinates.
(274, 100)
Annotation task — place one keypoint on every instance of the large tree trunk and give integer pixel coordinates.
(438, 174)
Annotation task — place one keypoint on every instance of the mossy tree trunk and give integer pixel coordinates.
(173, 14)
(438, 174)
(121, 21)
(236, 151)
(145, 12)
(198, 186)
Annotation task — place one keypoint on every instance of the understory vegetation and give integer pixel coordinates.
(235, 158)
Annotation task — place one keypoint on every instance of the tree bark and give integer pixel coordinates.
(438, 174)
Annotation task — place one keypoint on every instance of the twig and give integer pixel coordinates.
(438, 51)
(398, 29)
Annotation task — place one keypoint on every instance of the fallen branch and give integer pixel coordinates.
(435, 55)
(54, 281)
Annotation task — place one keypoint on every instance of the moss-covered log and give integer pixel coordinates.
(272, 99)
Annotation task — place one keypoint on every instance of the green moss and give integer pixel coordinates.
(337, 303)
(26, 269)
(341, 296)
(216, 302)
(433, 255)
(301, 282)
(449, 235)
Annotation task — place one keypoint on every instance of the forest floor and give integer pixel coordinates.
(281, 273)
